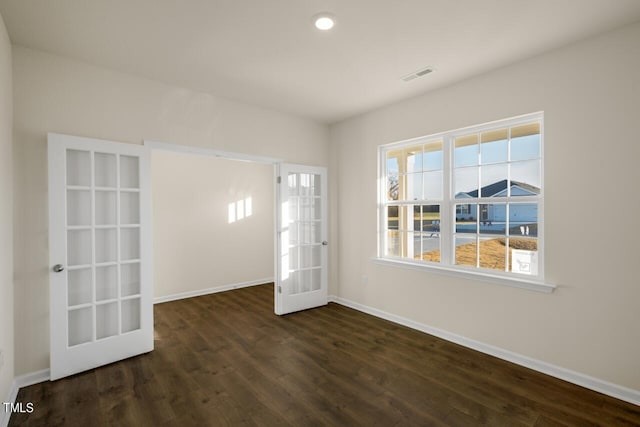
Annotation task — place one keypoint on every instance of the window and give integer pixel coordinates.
(468, 200)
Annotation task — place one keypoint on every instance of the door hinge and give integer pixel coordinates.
(279, 180)
(279, 289)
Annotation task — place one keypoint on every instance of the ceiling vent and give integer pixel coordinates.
(416, 74)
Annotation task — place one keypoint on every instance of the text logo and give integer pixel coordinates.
(18, 407)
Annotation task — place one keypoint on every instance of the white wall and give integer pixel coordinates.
(6, 216)
(590, 94)
(195, 245)
(54, 94)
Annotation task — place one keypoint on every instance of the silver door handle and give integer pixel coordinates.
(325, 243)
(58, 268)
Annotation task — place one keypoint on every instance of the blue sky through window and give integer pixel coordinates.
(522, 148)
(522, 169)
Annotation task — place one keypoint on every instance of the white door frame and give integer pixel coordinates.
(230, 155)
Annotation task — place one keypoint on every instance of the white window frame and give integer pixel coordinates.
(448, 210)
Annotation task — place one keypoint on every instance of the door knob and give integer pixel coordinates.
(58, 268)
(325, 243)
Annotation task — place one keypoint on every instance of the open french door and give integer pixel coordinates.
(301, 228)
(100, 253)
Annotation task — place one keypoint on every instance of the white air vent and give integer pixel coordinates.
(416, 74)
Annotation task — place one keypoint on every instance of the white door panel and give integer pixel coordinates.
(301, 268)
(100, 253)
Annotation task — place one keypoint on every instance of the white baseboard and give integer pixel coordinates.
(33, 378)
(17, 383)
(595, 384)
(213, 290)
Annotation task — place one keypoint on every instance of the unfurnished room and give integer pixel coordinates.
(319, 212)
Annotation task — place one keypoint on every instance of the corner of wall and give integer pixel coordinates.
(334, 223)
(6, 216)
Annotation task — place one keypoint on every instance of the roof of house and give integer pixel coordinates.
(497, 187)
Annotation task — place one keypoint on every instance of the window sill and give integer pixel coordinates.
(528, 284)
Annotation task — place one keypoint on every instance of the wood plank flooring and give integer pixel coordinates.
(226, 359)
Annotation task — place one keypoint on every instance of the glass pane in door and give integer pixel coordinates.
(106, 208)
(129, 208)
(130, 279)
(129, 243)
(106, 320)
(105, 165)
(80, 326)
(78, 168)
(130, 315)
(78, 208)
(79, 287)
(106, 283)
(106, 248)
(129, 172)
(78, 247)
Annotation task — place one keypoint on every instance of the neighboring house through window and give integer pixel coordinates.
(469, 199)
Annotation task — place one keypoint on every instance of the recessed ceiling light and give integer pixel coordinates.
(324, 21)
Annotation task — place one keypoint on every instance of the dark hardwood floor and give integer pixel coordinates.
(226, 359)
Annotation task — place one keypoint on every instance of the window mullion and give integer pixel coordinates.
(509, 162)
(382, 204)
(447, 209)
(480, 195)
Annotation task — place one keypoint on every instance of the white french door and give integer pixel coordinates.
(100, 253)
(301, 253)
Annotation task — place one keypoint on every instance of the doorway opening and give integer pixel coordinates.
(213, 218)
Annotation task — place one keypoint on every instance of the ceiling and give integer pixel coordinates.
(267, 52)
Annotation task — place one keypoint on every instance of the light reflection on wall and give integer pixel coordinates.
(240, 209)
